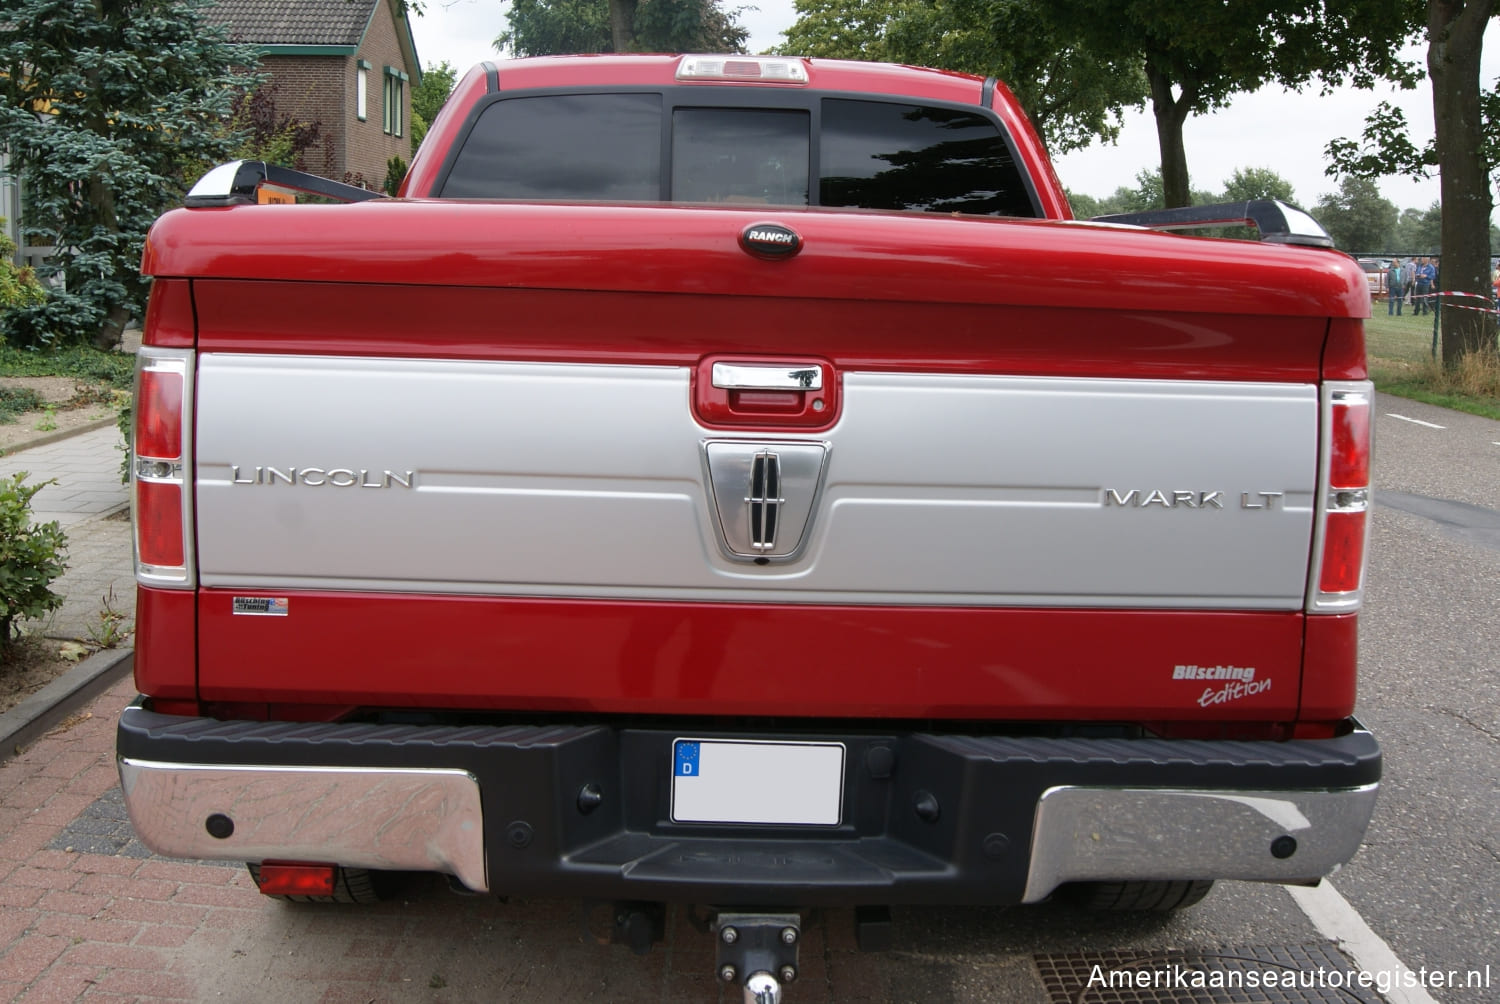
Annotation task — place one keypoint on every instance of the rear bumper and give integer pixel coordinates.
(583, 810)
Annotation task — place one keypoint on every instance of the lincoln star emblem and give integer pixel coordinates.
(763, 495)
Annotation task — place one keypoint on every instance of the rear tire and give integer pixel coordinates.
(1137, 897)
(350, 885)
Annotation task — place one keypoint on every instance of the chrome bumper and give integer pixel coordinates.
(392, 819)
(1102, 834)
(578, 811)
(432, 820)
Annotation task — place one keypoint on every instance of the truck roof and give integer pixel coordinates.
(614, 70)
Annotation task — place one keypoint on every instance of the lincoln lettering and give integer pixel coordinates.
(317, 477)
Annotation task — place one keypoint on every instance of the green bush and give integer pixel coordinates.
(17, 401)
(395, 173)
(30, 557)
(125, 422)
(18, 286)
(116, 369)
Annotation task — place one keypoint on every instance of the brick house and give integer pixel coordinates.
(348, 65)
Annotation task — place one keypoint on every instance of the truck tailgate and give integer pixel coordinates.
(511, 494)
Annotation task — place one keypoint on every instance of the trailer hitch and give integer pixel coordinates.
(758, 951)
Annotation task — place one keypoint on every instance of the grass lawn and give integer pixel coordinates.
(1405, 339)
(1401, 363)
(111, 369)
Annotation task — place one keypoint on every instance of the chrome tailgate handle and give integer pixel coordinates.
(739, 376)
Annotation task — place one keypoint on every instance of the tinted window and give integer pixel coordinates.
(879, 155)
(745, 155)
(571, 146)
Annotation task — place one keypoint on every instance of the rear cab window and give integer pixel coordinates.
(747, 147)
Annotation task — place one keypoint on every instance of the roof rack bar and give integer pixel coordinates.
(237, 183)
(1277, 222)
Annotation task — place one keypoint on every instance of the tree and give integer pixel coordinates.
(1465, 151)
(682, 26)
(104, 104)
(1149, 192)
(1197, 56)
(1357, 217)
(1455, 39)
(1075, 64)
(18, 285)
(264, 132)
(1248, 183)
(1072, 95)
(542, 28)
(551, 27)
(1420, 231)
(1086, 207)
(427, 98)
(843, 29)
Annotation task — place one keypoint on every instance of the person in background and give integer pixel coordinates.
(1395, 287)
(1437, 299)
(1423, 274)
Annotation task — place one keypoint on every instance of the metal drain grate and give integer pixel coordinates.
(1280, 974)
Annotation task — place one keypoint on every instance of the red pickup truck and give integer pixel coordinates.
(738, 481)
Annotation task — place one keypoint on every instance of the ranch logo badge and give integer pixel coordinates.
(770, 240)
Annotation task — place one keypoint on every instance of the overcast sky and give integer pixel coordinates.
(1273, 128)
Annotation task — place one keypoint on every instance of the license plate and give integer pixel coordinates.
(787, 784)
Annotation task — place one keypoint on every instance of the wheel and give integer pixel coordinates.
(1139, 896)
(350, 885)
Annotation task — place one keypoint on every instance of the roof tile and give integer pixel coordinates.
(294, 22)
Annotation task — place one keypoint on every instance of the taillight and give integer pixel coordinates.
(294, 878)
(1344, 502)
(766, 69)
(160, 467)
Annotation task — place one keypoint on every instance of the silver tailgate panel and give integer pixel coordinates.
(588, 480)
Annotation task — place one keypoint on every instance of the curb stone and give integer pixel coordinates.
(29, 721)
(47, 439)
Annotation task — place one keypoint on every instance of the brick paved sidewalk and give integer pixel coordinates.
(88, 914)
(90, 925)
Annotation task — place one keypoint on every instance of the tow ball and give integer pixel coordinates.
(758, 951)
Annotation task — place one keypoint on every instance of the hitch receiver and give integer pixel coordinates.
(758, 951)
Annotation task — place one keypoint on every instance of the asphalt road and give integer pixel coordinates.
(1428, 879)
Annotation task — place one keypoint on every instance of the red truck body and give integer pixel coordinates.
(442, 477)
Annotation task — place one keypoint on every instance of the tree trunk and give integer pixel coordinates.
(1455, 38)
(102, 199)
(622, 24)
(1170, 114)
(112, 332)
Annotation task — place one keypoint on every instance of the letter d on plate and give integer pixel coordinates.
(686, 759)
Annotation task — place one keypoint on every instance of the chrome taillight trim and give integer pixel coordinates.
(1339, 500)
(177, 471)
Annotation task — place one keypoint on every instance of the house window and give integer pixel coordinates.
(361, 89)
(395, 88)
